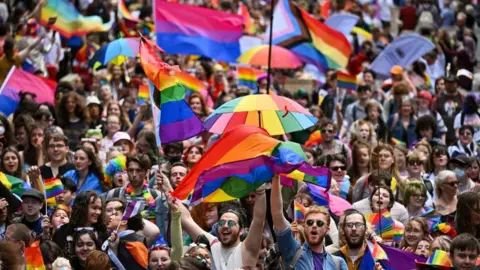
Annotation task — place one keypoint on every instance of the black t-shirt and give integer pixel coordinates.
(35, 226)
(46, 171)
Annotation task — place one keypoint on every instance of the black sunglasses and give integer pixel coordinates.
(310, 223)
(415, 162)
(338, 168)
(452, 184)
(440, 153)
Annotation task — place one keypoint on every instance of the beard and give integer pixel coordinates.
(231, 241)
(314, 241)
(357, 243)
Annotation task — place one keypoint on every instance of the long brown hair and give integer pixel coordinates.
(198, 214)
(19, 172)
(95, 167)
(354, 171)
(423, 224)
(375, 162)
(202, 101)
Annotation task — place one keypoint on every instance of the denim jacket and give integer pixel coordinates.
(289, 245)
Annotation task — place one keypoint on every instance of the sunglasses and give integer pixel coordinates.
(331, 131)
(415, 162)
(230, 223)
(452, 184)
(338, 168)
(439, 154)
(319, 223)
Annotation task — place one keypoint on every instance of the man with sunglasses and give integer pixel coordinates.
(330, 145)
(228, 251)
(354, 227)
(459, 165)
(312, 254)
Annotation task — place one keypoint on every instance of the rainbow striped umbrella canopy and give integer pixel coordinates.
(116, 52)
(281, 57)
(277, 114)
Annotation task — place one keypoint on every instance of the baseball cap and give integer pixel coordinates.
(462, 160)
(120, 135)
(425, 95)
(93, 100)
(396, 70)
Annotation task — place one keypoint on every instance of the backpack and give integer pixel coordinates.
(425, 20)
(428, 185)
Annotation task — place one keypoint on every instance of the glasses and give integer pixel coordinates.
(418, 196)
(415, 162)
(465, 133)
(331, 131)
(452, 184)
(358, 225)
(338, 168)
(58, 146)
(230, 223)
(319, 223)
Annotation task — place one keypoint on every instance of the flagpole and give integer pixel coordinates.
(270, 47)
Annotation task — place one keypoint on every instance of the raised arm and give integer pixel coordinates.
(151, 232)
(23, 54)
(253, 242)
(189, 225)
(280, 223)
(176, 234)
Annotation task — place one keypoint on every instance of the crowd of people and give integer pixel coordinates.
(405, 147)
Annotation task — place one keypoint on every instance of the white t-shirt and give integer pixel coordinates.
(226, 258)
(469, 119)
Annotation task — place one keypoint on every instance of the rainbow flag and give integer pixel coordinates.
(125, 13)
(314, 139)
(33, 257)
(86, 52)
(249, 26)
(440, 257)
(15, 185)
(382, 223)
(300, 211)
(347, 81)
(377, 251)
(177, 122)
(248, 77)
(53, 187)
(186, 29)
(254, 157)
(143, 94)
(396, 141)
(70, 22)
(314, 42)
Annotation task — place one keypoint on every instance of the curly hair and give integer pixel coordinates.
(426, 122)
(95, 167)
(199, 214)
(79, 215)
(62, 113)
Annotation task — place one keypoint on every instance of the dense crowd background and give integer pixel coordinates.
(407, 145)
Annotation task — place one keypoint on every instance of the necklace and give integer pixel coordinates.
(146, 195)
(227, 257)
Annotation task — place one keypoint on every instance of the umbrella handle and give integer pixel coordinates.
(286, 112)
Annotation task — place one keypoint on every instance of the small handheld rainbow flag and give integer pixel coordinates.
(347, 81)
(123, 10)
(53, 187)
(377, 251)
(33, 257)
(382, 223)
(249, 27)
(143, 94)
(396, 141)
(299, 211)
(248, 77)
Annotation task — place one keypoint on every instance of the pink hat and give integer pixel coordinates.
(120, 135)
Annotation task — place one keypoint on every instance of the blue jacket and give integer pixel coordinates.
(91, 182)
(288, 246)
(397, 130)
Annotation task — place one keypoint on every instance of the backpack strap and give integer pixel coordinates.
(462, 118)
(295, 258)
(354, 114)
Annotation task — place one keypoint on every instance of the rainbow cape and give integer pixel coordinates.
(314, 42)
(347, 81)
(15, 185)
(33, 257)
(53, 187)
(251, 148)
(248, 77)
(300, 211)
(143, 94)
(70, 22)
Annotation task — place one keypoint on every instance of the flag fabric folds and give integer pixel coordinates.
(33, 257)
(300, 211)
(399, 259)
(249, 27)
(248, 77)
(18, 81)
(53, 187)
(133, 209)
(347, 81)
(187, 29)
(15, 185)
(177, 122)
(70, 22)
(234, 180)
(125, 13)
(143, 94)
(314, 42)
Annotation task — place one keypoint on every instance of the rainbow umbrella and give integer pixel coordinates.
(115, 52)
(281, 57)
(277, 114)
